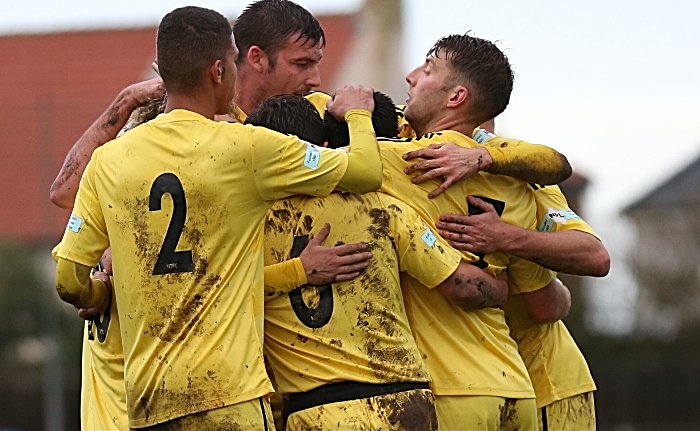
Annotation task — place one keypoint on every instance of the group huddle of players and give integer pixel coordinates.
(242, 219)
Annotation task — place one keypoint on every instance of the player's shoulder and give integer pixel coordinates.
(319, 100)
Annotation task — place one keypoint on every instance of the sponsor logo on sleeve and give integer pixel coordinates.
(482, 135)
(312, 157)
(556, 216)
(74, 223)
(428, 237)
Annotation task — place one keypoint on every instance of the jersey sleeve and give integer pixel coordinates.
(525, 276)
(85, 238)
(527, 162)
(285, 165)
(283, 277)
(319, 99)
(422, 253)
(554, 214)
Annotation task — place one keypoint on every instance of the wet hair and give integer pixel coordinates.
(189, 40)
(480, 66)
(384, 119)
(268, 24)
(290, 114)
(147, 112)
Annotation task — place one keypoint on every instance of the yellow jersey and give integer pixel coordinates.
(102, 393)
(354, 330)
(467, 353)
(557, 368)
(183, 199)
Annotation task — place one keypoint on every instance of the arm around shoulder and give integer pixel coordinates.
(532, 163)
(549, 304)
(472, 288)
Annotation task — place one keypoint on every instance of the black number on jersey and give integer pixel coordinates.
(171, 261)
(321, 315)
(102, 324)
(499, 206)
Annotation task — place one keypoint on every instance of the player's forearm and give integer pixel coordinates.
(549, 304)
(471, 288)
(364, 171)
(571, 252)
(532, 163)
(103, 130)
(75, 286)
(283, 277)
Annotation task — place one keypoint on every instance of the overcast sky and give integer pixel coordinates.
(611, 84)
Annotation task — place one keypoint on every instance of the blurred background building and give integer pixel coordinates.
(54, 84)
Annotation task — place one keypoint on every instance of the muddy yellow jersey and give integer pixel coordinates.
(102, 394)
(355, 330)
(181, 200)
(467, 353)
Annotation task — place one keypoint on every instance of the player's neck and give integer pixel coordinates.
(249, 91)
(451, 122)
(201, 104)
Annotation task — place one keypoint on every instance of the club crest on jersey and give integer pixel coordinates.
(74, 223)
(312, 157)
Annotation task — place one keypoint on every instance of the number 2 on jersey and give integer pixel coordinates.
(171, 261)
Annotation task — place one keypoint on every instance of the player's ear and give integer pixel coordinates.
(458, 95)
(325, 144)
(216, 71)
(257, 59)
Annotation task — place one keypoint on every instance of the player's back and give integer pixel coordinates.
(183, 199)
(355, 330)
(489, 363)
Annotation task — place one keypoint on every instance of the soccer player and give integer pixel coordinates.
(565, 243)
(188, 266)
(479, 380)
(343, 353)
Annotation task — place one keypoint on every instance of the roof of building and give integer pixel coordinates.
(682, 189)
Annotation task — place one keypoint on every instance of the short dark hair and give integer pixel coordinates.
(480, 66)
(384, 119)
(289, 114)
(269, 23)
(189, 40)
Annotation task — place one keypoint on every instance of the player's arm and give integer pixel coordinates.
(570, 251)
(431, 261)
(103, 130)
(532, 163)
(549, 304)
(364, 169)
(472, 288)
(317, 265)
(75, 286)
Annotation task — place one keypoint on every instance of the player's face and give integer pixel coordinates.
(427, 91)
(228, 81)
(296, 68)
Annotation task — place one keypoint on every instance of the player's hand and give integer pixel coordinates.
(450, 162)
(143, 92)
(106, 261)
(348, 98)
(87, 313)
(481, 233)
(324, 265)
